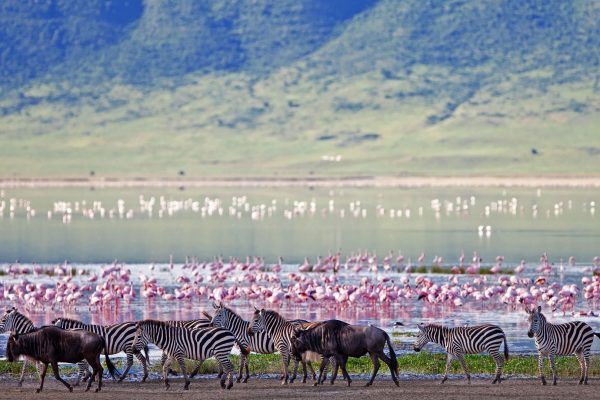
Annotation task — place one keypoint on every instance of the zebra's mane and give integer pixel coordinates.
(71, 320)
(14, 313)
(272, 314)
(231, 312)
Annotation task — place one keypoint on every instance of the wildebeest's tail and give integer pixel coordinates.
(505, 348)
(392, 353)
(111, 367)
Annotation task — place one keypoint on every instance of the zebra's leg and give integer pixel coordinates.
(128, 365)
(247, 371)
(181, 362)
(163, 360)
(581, 360)
(166, 366)
(312, 372)
(541, 368)
(23, 371)
(227, 367)
(463, 363)
(285, 359)
(82, 374)
(42, 377)
(376, 364)
(196, 369)
(295, 373)
(242, 362)
(144, 362)
(449, 359)
(553, 366)
(499, 360)
(586, 360)
(334, 374)
(57, 376)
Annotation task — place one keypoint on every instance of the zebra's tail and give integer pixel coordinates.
(111, 367)
(243, 349)
(394, 361)
(505, 349)
(147, 356)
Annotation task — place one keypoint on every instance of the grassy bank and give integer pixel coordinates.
(421, 363)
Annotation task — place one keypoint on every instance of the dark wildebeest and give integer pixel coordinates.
(341, 340)
(51, 345)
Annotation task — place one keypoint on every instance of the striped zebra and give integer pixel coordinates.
(14, 321)
(561, 339)
(465, 340)
(180, 343)
(281, 332)
(189, 324)
(118, 337)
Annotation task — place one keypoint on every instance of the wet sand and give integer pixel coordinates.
(263, 389)
(348, 181)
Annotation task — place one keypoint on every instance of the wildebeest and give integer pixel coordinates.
(51, 345)
(341, 340)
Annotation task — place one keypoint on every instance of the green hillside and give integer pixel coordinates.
(287, 88)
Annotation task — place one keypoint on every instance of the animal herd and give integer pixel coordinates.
(300, 341)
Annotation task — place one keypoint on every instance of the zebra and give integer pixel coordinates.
(560, 339)
(118, 337)
(16, 322)
(189, 324)
(465, 340)
(281, 332)
(180, 343)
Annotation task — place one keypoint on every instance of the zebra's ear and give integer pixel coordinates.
(420, 326)
(215, 306)
(539, 310)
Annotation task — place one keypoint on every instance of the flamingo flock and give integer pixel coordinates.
(360, 279)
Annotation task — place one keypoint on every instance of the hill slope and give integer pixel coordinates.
(278, 87)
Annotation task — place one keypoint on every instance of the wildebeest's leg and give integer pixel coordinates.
(342, 361)
(42, 377)
(463, 363)
(144, 362)
(97, 370)
(196, 369)
(57, 376)
(449, 359)
(388, 361)
(376, 364)
(181, 362)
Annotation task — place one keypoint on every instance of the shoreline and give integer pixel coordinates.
(306, 182)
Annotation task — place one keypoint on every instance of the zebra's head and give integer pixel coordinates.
(141, 337)
(257, 323)
(7, 321)
(221, 317)
(535, 319)
(424, 336)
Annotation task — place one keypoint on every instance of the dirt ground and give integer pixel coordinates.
(262, 389)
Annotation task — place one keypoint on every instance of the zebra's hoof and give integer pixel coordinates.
(368, 384)
(97, 390)
(20, 384)
(397, 383)
(70, 388)
(554, 383)
(38, 390)
(229, 386)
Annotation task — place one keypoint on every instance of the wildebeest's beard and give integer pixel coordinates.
(9, 350)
